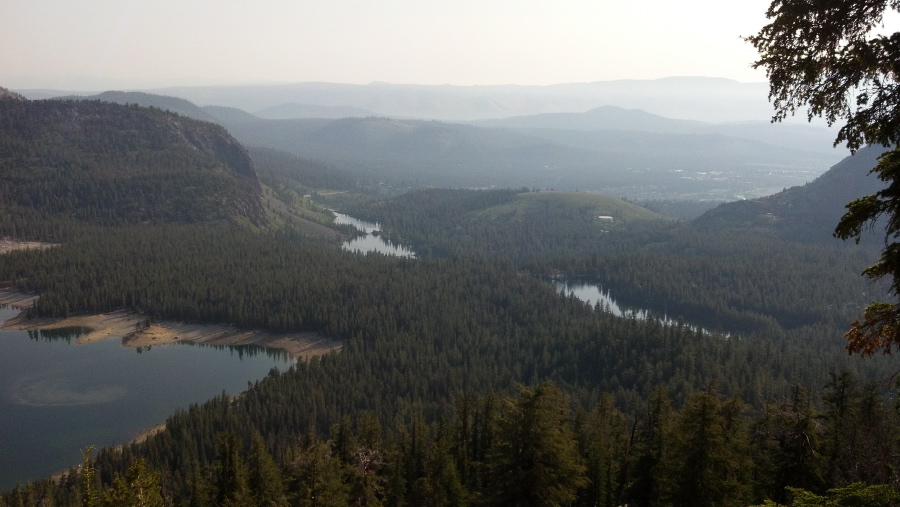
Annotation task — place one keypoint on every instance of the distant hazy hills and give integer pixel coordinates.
(810, 211)
(617, 162)
(105, 162)
(696, 98)
(795, 136)
(288, 111)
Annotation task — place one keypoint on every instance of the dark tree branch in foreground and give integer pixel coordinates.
(828, 56)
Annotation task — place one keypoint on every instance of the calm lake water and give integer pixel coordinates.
(592, 294)
(57, 397)
(372, 241)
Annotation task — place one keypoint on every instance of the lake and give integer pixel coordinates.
(592, 294)
(372, 241)
(58, 397)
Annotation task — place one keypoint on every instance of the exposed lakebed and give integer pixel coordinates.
(58, 397)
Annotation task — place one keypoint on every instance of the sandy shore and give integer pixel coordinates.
(130, 328)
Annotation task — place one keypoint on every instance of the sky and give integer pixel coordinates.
(139, 44)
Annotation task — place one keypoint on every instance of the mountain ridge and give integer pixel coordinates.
(164, 102)
(101, 161)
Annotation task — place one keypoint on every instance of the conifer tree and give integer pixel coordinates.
(89, 496)
(535, 460)
(231, 472)
(316, 477)
(199, 494)
(265, 482)
(603, 443)
(839, 441)
(709, 455)
(650, 442)
(139, 487)
(786, 443)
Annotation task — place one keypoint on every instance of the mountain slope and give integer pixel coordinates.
(104, 162)
(810, 211)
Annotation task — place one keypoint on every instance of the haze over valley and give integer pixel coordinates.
(610, 150)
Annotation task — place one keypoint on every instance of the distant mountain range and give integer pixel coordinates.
(696, 98)
(809, 211)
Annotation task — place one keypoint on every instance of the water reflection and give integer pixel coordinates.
(249, 351)
(594, 294)
(66, 334)
(362, 225)
(372, 241)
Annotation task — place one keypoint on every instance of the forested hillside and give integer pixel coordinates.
(108, 163)
(721, 278)
(419, 335)
(464, 378)
(809, 212)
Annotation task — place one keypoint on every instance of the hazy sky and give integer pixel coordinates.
(120, 44)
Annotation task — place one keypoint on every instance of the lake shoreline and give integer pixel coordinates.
(131, 328)
(134, 332)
